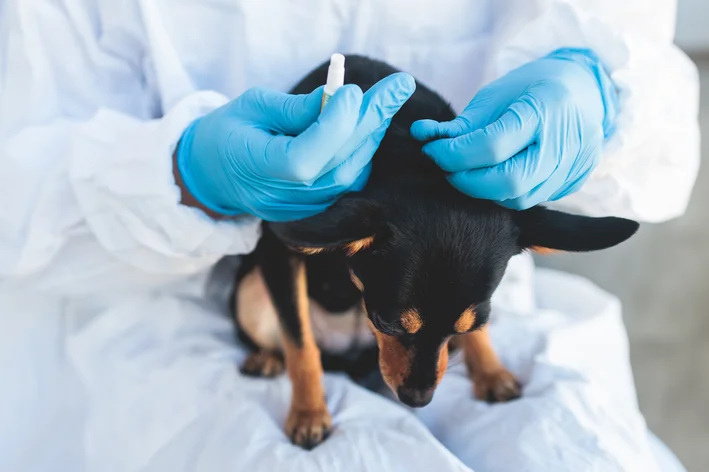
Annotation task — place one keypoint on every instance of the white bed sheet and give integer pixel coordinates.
(151, 385)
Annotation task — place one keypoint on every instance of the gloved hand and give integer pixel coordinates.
(274, 155)
(532, 136)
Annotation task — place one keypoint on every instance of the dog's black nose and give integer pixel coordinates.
(415, 397)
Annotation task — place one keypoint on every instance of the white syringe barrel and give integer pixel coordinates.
(335, 77)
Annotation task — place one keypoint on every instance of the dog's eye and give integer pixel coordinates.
(387, 327)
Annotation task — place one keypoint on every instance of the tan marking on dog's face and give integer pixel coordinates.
(356, 281)
(394, 359)
(411, 321)
(355, 246)
(544, 250)
(465, 321)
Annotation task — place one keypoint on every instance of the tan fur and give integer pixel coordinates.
(337, 333)
(466, 321)
(309, 251)
(411, 321)
(352, 248)
(394, 359)
(258, 318)
(491, 380)
(308, 419)
(478, 352)
(255, 312)
(355, 246)
(442, 363)
(544, 250)
(355, 280)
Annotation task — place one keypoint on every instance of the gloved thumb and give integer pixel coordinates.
(307, 155)
(283, 113)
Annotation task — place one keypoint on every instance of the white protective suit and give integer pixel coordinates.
(116, 353)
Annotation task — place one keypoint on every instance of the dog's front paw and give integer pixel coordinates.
(496, 386)
(307, 428)
(263, 364)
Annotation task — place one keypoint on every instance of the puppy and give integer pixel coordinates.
(420, 257)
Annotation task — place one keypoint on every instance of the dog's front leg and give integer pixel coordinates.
(309, 421)
(491, 380)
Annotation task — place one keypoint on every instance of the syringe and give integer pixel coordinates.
(335, 78)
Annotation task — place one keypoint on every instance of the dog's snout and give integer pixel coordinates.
(415, 397)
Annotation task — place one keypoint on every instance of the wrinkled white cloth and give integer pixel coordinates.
(113, 354)
(151, 384)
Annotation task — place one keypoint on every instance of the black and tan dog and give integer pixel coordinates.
(422, 258)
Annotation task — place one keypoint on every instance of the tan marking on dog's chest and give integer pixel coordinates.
(258, 318)
(255, 312)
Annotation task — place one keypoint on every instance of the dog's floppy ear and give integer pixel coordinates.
(350, 223)
(541, 228)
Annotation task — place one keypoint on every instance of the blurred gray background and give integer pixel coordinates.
(662, 277)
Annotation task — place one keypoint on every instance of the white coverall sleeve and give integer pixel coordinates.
(85, 148)
(650, 163)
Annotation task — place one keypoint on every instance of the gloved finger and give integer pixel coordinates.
(350, 172)
(347, 171)
(540, 194)
(551, 189)
(288, 202)
(351, 181)
(303, 158)
(512, 179)
(361, 181)
(282, 113)
(293, 212)
(319, 195)
(567, 178)
(427, 130)
(482, 110)
(381, 102)
(572, 185)
(502, 139)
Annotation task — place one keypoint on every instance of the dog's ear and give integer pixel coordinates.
(350, 223)
(542, 229)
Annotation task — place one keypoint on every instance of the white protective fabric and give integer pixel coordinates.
(112, 351)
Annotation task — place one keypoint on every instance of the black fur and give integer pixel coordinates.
(275, 261)
(434, 249)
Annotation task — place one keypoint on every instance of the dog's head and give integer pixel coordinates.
(428, 268)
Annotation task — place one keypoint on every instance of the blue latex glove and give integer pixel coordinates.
(274, 155)
(531, 136)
